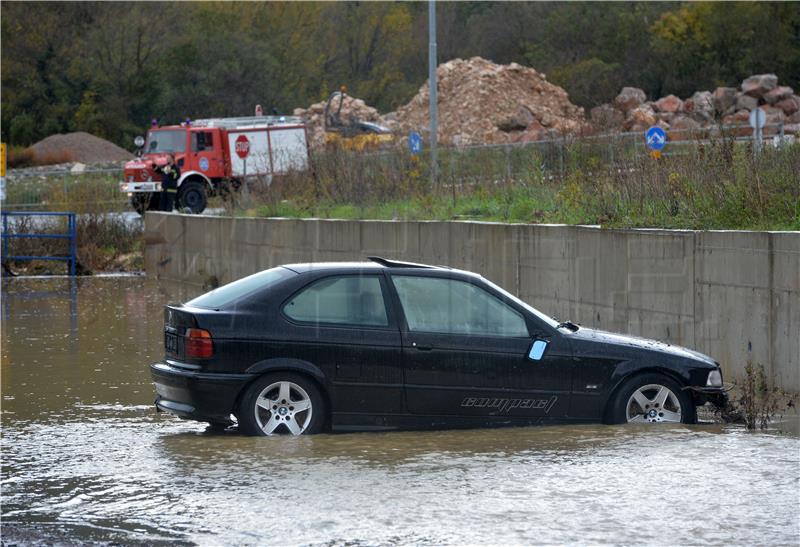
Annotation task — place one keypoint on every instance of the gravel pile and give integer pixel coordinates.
(78, 147)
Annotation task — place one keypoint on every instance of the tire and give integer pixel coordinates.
(145, 201)
(217, 427)
(278, 412)
(192, 195)
(652, 398)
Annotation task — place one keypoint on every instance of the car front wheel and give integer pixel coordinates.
(281, 403)
(652, 398)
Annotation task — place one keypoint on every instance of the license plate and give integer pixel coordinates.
(170, 343)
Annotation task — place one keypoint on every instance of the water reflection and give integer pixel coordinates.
(85, 458)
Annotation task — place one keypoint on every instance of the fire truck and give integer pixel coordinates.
(214, 155)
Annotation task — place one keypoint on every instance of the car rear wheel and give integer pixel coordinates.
(281, 403)
(652, 398)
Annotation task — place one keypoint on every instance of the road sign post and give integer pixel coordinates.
(242, 148)
(2, 171)
(655, 139)
(758, 118)
(414, 143)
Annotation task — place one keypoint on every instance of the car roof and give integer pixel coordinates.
(375, 263)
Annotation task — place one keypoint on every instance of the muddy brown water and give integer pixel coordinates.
(86, 459)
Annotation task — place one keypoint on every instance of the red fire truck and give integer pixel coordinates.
(214, 155)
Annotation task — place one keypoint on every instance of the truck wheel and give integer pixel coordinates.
(192, 195)
(145, 201)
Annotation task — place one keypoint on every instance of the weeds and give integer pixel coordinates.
(716, 184)
(755, 403)
(105, 240)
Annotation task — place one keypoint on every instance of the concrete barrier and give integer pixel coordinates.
(734, 295)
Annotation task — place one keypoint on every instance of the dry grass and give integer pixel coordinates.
(716, 184)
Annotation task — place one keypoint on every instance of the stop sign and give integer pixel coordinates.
(242, 146)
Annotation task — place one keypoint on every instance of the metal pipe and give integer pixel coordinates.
(432, 83)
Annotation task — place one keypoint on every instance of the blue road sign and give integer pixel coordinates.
(655, 138)
(414, 142)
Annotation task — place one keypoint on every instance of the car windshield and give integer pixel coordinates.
(226, 294)
(165, 142)
(544, 317)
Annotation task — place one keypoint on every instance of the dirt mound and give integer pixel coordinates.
(481, 102)
(77, 147)
(353, 109)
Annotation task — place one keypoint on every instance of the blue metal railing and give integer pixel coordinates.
(71, 235)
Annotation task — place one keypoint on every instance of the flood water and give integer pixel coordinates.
(86, 458)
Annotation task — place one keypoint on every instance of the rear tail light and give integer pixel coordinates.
(199, 344)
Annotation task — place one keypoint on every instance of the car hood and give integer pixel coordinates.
(622, 341)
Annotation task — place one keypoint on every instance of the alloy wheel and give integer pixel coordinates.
(653, 403)
(283, 407)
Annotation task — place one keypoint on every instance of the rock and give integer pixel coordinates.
(790, 105)
(522, 119)
(700, 101)
(78, 168)
(684, 123)
(665, 117)
(670, 103)
(774, 114)
(739, 117)
(724, 98)
(606, 116)
(746, 102)
(629, 98)
(758, 85)
(640, 118)
(778, 94)
(700, 106)
(534, 132)
(791, 128)
(794, 118)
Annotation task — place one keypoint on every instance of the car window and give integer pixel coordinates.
(350, 300)
(452, 306)
(233, 291)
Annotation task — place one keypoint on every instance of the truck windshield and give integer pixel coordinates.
(165, 141)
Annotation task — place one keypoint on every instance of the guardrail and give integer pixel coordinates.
(71, 236)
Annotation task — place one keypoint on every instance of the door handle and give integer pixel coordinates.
(421, 347)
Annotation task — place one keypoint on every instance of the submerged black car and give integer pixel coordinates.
(381, 345)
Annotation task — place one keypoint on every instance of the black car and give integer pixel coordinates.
(378, 345)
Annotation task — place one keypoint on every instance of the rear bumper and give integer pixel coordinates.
(202, 396)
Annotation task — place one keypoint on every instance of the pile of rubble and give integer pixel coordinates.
(352, 110)
(77, 147)
(631, 111)
(481, 102)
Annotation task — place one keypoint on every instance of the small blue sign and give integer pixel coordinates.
(655, 138)
(204, 164)
(415, 142)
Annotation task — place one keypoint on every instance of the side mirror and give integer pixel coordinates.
(139, 141)
(537, 350)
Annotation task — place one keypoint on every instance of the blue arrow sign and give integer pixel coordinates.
(655, 138)
(415, 142)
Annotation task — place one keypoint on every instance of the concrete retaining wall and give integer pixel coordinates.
(733, 295)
